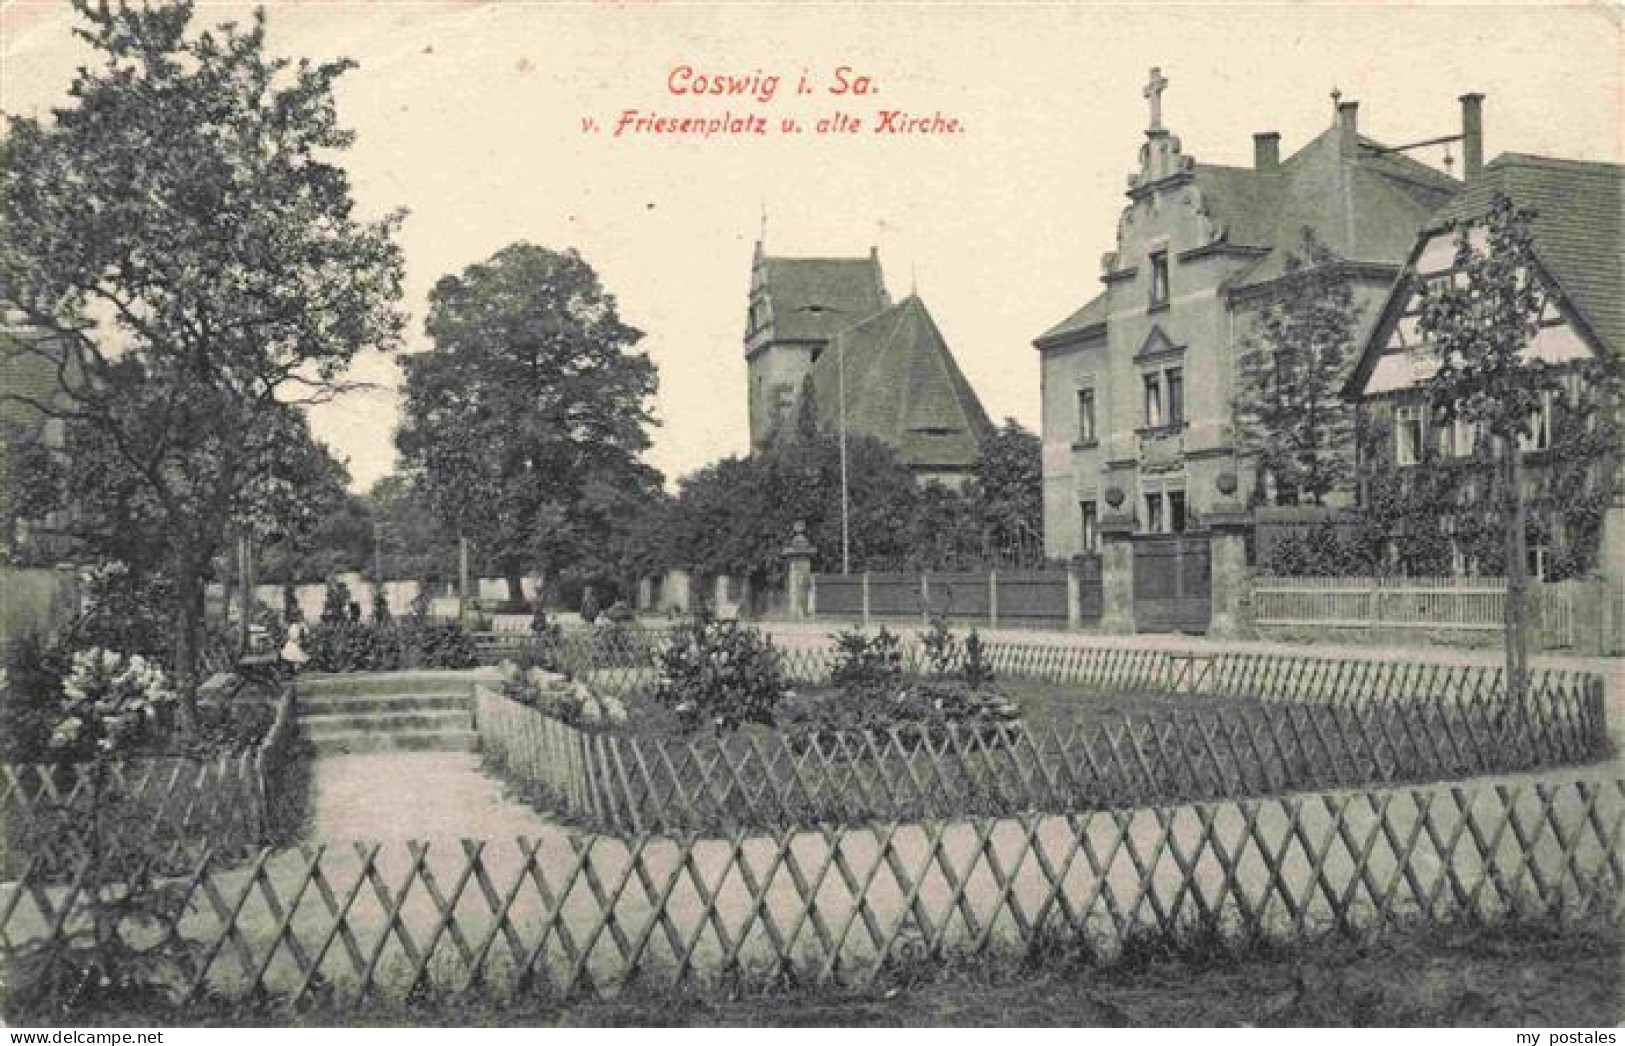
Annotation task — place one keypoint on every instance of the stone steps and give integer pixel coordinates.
(387, 684)
(321, 706)
(383, 712)
(320, 726)
(398, 741)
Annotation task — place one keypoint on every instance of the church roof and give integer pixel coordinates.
(903, 387)
(1579, 229)
(812, 299)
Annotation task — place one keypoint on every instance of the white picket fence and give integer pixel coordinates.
(1449, 603)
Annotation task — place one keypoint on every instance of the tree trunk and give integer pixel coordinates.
(188, 642)
(1517, 634)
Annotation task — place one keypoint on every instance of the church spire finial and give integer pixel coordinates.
(1153, 91)
(913, 279)
(761, 234)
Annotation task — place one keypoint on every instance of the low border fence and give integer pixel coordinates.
(627, 662)
(762, 778)
(171, 809)
(1430, 603)
(591, 914)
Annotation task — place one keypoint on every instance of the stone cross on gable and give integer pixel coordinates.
(1153, 91)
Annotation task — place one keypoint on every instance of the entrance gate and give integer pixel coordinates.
(1173, 583)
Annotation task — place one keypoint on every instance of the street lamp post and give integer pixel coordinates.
(846, 503)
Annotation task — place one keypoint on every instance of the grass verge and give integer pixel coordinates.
(1514, 973)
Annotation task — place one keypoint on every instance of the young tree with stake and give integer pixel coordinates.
(1479, 322)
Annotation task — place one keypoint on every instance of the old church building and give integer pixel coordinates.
(880, 368)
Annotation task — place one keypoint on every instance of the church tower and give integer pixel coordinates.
(796, 307)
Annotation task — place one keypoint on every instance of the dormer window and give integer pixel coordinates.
(1159, 279)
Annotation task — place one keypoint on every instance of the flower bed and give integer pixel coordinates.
(117, 778)
(722, 741)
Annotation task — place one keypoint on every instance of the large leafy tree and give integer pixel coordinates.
(1008, 491)
(526, 421)
(332, 530)
(185, 246)
(735, 516)
(1290, 417)
(412, 539)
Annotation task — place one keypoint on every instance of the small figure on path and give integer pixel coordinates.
(293, 649)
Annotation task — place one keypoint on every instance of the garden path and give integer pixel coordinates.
(428, 796)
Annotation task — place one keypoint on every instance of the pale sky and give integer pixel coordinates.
(470, 116)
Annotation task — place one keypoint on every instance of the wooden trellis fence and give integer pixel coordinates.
(171, 809)
(592, 913)
(629, 662)
(762, 778)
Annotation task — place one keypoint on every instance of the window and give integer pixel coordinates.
(1175, 380)
(1154, 519)
(1537, 559)
(1153, 401)
(1463, 438)
(1539, 436)
(1086, 415)
(1176, 511)
(1159, 279)
(1091, 526)
(1408, 435)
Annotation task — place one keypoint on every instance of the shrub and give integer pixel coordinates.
(130, 612)
(355, 646)
(589, 605)
(441, 646)
(555, 696)
(539, 623)
(867, 665)
(927, 707)
(615, 645)
(30, 698)
(720, 674)
(620, 613)
(233, 726)
(345, 646)
(380, 605)
(941, 647)
(546, 638)
(110, 702)
(976, 672)
(422, 603)
(336, 602)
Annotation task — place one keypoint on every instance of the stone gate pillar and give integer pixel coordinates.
(798, 557)
(1231, 525)
(1116, 567)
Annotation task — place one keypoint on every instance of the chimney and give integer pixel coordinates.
(1348, 128)
(1472, 136)
(1266, 150)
